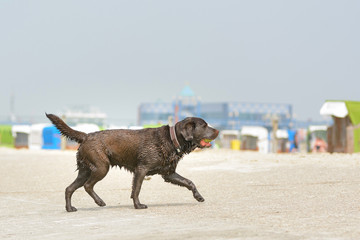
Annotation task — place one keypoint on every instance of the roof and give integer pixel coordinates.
(342, 109)
(187, 92)
(20, 129)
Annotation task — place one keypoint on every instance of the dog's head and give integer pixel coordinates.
(197, 132)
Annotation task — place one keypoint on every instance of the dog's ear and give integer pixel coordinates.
(188, 129)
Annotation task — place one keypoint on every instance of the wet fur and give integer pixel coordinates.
(142, 152)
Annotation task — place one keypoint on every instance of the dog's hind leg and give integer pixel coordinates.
(83, 175)
(97, 173)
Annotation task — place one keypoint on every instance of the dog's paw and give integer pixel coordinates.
(101, 203)
(140, 206)
(198, 197)
(70, 209)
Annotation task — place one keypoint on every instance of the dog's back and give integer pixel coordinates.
(122, 147)
(119, 147)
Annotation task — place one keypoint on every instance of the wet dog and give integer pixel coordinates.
(143, 152)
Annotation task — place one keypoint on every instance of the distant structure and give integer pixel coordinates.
(84, 114)
(186, 105)
(222, 115)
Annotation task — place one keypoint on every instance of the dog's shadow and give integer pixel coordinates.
(130, 206)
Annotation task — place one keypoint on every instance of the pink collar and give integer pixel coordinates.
(174, 139)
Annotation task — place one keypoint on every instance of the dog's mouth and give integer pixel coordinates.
(205, 143)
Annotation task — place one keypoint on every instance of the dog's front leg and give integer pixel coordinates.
(181, 181)
(139, 176)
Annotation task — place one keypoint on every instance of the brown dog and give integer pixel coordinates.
(143, 152)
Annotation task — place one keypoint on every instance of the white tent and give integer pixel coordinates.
(20, 129)
(281, 133)
(21, 135)
(82, 127)
(314, 128)
(136, 127)
(111, 127)
(35, 137)
(87, 127)
(261, 133)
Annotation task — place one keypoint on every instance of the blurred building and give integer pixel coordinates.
(84, 114)
(222, 115)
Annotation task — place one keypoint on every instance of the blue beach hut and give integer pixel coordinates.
(51, 138)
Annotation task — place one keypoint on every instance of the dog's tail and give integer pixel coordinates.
(66, 130)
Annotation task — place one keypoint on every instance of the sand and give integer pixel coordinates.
(247, 196)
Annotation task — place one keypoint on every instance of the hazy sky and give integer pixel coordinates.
(116, 54)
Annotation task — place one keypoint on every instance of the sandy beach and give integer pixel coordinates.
(247, 196)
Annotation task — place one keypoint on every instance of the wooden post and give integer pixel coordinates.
(275, 126)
